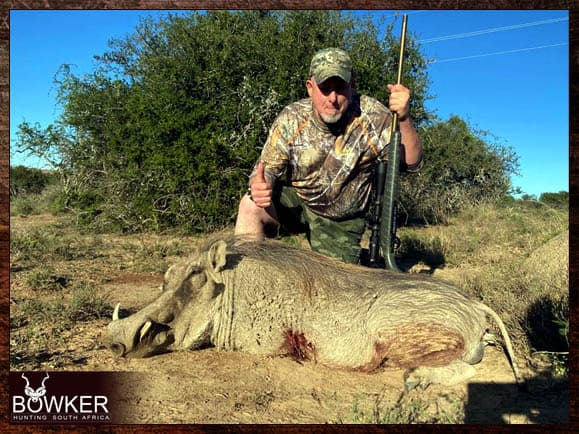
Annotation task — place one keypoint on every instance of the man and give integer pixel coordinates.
(316, 167)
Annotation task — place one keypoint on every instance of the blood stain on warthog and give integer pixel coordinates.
(297, 347)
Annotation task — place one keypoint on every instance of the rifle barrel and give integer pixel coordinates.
(390, 198)
(400, 63)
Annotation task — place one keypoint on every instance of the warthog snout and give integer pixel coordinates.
(181, 316)
(137, 337)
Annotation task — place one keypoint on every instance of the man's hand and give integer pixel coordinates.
(261, 190)
(399, 100)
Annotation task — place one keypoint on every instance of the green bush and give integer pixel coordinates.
(462, 168)
(51, 200)
(556, 200)
(28, 180)
(22, 205)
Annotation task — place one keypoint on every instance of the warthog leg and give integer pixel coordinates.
(454, 373)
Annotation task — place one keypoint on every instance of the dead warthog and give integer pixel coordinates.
(272, 299)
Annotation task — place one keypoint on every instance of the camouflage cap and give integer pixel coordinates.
(331, 62)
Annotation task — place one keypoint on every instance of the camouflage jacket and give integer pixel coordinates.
(330, 170)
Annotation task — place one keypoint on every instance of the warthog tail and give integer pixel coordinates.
(508, 345)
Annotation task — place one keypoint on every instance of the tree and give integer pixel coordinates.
(556, 200)
(28, 180)
(462, 167)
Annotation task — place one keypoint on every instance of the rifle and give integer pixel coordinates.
(385, 205)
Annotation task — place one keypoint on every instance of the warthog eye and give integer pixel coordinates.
(166, 317)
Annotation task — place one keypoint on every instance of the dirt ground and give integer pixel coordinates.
(209, 386)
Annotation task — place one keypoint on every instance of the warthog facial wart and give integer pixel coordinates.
(269, 298)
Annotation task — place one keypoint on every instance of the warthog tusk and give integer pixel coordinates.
(116, 312)
(145, 329)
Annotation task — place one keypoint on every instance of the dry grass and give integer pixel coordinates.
(371, 409)
(515, 259)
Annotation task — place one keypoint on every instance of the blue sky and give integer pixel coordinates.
(505, 72)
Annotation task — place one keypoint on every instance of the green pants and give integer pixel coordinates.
(336, 238)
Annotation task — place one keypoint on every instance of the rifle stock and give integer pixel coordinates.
(386, 181)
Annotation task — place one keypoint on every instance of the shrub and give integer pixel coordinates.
(50, 200)
(557, 200)
(28, 180)
(462, 168)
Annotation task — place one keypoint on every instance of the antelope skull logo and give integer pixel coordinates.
(35, 394)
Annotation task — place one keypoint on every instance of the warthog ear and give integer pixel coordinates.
(216, 260)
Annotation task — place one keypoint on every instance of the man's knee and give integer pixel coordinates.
(247, 207)
(252, 219)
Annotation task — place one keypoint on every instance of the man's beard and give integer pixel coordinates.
(331, 119)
